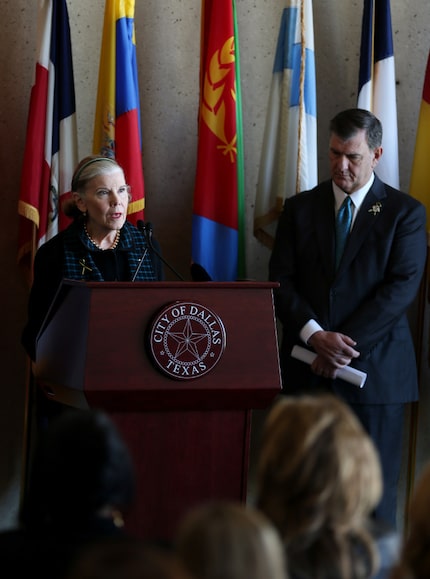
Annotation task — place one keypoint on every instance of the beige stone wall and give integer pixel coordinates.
(168, 56)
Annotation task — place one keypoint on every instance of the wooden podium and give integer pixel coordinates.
(178, 366)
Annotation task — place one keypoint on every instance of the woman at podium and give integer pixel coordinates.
(98, 245)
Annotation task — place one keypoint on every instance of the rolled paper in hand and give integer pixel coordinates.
(351, 375)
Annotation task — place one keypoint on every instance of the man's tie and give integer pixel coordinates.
(343, 226)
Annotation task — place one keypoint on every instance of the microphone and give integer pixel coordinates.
(147, 229)
(140, 261)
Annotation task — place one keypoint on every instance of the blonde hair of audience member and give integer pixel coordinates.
(319, 478)
(415, 556)
(232, 541)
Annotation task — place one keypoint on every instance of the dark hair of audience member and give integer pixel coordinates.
(81, 469)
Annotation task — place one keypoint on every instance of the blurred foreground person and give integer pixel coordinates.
(81, 482)
(318, 481)
(415, 556)
(230, 541)
(113, 559)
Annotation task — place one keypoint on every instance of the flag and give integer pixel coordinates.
(377, 83)
(50, 154)
(218, 207)
(420, 177)
(289, 162)
(117, 128)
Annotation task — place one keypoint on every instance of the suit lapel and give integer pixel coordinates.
(370, 211)
(324, 215)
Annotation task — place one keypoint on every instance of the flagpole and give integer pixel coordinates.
(28, 401)
(418, 189)
(372, 59)
(301, 93)
(414, 406)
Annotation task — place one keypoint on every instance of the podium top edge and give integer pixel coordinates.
(243, 285)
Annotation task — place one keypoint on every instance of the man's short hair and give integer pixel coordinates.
(346, 124)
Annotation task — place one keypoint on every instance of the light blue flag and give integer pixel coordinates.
(289, 153)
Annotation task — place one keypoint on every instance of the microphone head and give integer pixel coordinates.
(140, 225)
(148, 227)
(198, 273)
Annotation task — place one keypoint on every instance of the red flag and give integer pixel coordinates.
(217, 243)
(50, 154)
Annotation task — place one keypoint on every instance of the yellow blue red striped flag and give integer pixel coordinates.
(117, 127)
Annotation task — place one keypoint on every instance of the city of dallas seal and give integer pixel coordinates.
(186, 340)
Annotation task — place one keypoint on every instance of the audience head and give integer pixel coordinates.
(230, 540)
(319, 476)
(125, 559)
(415, 556)
(81, 469)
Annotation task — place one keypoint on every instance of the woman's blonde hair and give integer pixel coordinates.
(232, 541)
(319, 478)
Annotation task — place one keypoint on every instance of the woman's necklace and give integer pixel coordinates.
(114, 244)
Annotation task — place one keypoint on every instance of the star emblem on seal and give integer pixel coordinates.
(186, 340)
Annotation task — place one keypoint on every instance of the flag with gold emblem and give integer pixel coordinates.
(218, 208)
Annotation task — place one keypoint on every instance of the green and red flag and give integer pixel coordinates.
(218, 209)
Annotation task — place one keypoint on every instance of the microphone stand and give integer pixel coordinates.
(147, 229)
(140, 264)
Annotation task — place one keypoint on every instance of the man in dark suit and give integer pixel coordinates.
(353, 314)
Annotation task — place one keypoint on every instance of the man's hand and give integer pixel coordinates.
(334, 351)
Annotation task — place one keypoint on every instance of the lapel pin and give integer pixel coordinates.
(376, 208)
(84, 266)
